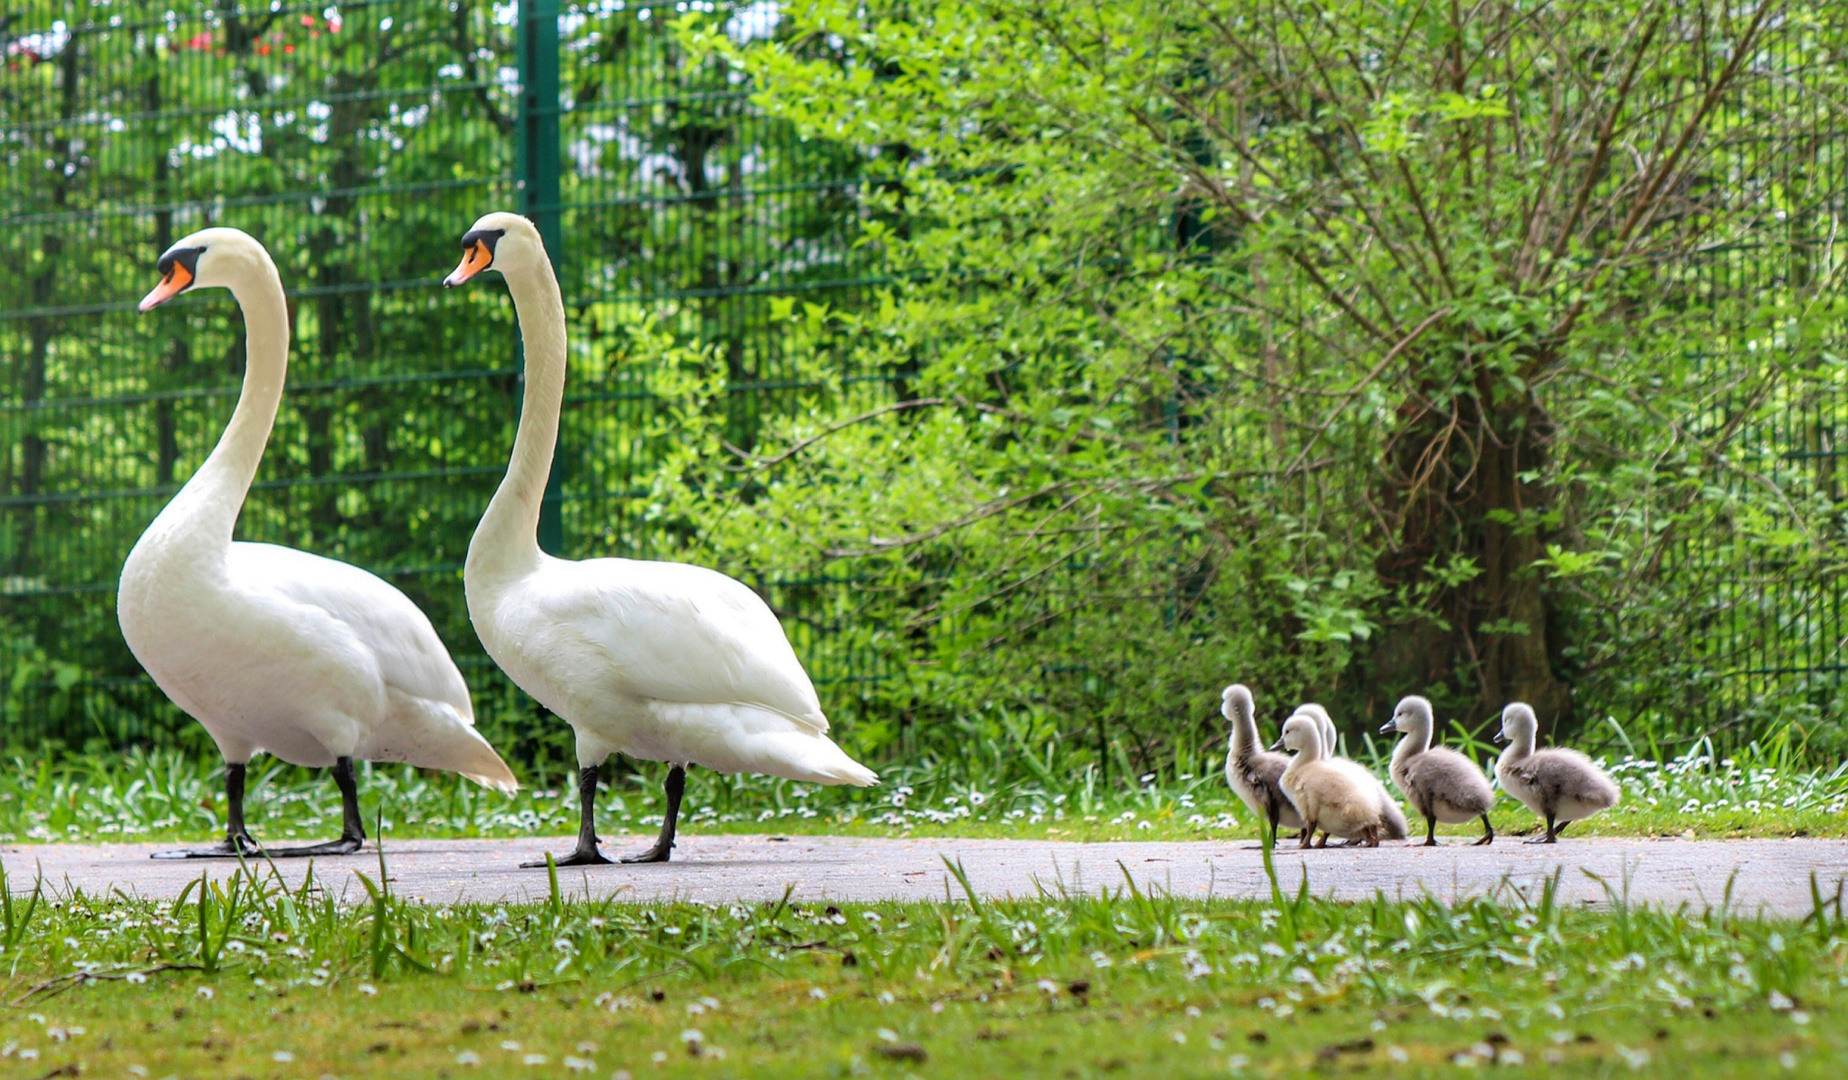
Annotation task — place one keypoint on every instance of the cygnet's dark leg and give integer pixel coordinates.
(352, 828)
(586, 853)
(1488, 832)
(1430, 832)
(664, 844)
(237, 840)
(1552, 833)
(1271, 813)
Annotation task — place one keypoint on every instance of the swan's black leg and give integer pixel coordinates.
(237, 840)
(586, 853)
(1552, 833)
(1488, 832)
(352, 828)
(1430, 832)
(664, 844)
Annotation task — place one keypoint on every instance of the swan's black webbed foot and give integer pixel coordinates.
(657, 853)
(346, 845)
(581, 857)
(238, 847)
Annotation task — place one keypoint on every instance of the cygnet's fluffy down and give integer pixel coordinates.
(1330, 800)
(1253, 772)
(1560, 785)
(1393, 817)
(1441, 784)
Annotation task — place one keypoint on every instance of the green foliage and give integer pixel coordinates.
(1404, 348)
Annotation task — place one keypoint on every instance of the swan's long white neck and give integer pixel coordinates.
(508, 537)
(206, 509)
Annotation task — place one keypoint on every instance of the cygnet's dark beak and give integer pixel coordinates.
(1500, 737)
(1278, 745)
(1389, 727)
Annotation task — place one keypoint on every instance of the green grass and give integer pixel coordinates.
(253, 979)
(169, 796)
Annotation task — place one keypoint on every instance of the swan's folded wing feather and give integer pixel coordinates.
(411, 657)
(683, 633)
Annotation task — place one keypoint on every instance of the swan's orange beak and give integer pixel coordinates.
(476, 257)
(177, 279)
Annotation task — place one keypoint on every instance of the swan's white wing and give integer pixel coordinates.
(411, 657)
(681, 633)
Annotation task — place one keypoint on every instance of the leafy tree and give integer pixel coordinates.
(1348, 349)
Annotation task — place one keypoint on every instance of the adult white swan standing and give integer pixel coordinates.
(658, 660)
(273, 649)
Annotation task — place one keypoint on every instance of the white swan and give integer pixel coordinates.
(273, 649)
(658, 660)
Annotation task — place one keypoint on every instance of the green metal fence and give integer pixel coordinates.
(358, 142)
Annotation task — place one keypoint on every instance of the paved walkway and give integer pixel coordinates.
(1763, 875)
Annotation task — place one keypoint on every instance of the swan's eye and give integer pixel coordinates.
(477, 254)
(178, 270)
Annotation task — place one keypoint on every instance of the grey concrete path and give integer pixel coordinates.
(1764, 875)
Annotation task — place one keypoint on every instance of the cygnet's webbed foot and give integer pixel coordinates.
(658, 853)
(346, 845)
(1543, 840)
(240, 846)
(583, 856)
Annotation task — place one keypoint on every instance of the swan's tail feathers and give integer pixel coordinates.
(813, 759)
(849, 771)
(435, 735)
(499, 778)
(479, 762)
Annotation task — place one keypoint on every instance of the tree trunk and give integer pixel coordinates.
(1453, 487)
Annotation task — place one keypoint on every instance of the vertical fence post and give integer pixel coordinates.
(539, 196)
